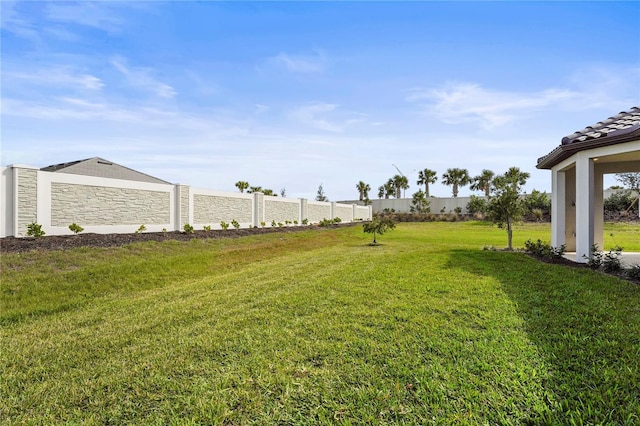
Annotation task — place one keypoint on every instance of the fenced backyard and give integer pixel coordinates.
(318, 327)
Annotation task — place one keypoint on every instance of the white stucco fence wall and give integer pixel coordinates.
(281, 210)
(318, 210)
(210, 208)
(104, 205)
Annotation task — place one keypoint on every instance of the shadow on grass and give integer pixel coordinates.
(585, 325)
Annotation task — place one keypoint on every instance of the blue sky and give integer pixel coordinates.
(293, 95)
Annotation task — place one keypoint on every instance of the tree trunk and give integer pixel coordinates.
(455, 190)
(509, 235)
(426, 189)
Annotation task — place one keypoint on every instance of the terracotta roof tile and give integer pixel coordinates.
(624, 120)
(617, 129)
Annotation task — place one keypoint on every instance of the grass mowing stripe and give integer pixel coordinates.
(328, 330)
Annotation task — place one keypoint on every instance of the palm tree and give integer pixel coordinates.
(425, 177)
(387, 189)
(400, 183)
(482, 182)
(516, 177)
(253, 189)
(242, 185)
(363, 189)
(456, 178)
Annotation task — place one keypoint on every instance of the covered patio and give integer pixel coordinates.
(578, 167)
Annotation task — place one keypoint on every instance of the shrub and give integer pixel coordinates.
(594, 261)
(538, 214)
(235, 224)
(75, 228)
(634, 272)
(224, 225)
(325, 222)
(458, 210)
(188, 229)
(141, 229)
(206, 228)
(263, 224)
(619, 202)
(537, 201)
(477, 205)
(544, 250)
(35, 230)
(305, 221)
(273, 224)
(611, 261)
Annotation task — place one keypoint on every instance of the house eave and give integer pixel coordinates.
(568, 148)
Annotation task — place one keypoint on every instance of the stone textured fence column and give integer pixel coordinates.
(184, 209)
(258, 208)
(303, 210)
(25, 191)
(332, 211)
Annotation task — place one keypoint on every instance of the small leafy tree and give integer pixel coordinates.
(224, 225)
(378, 226)
(505, 205)
(631, 181)
(235, 224)
(188, 228)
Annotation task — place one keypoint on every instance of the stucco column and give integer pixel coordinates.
(25, 203)
(303, 210)
(558, 208)
(584, 207)
(258, 208)
(598, 207)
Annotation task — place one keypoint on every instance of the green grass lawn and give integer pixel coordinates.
(318, 327)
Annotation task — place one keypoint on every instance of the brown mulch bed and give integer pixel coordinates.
(65, 242)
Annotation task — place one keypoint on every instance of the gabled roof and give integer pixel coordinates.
(100, 167)
(620, 128)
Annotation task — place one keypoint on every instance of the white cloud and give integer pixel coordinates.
(141, 78)
(11, 21)
(327, 117)
(98, 15)
(315, 116)
(593, 87)
(299, 63)
(471, 103)
(57, 77)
